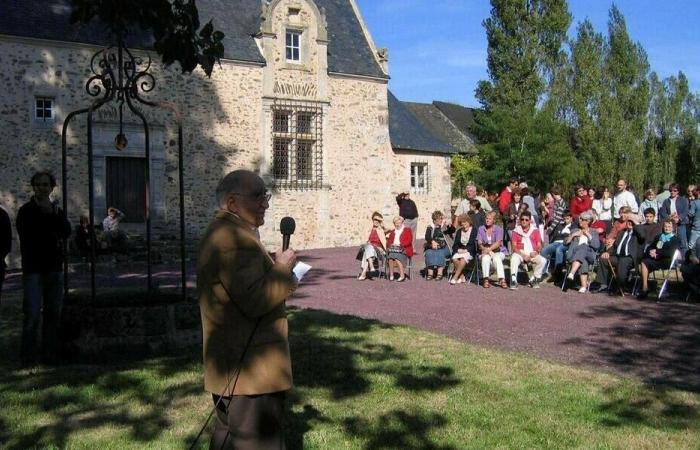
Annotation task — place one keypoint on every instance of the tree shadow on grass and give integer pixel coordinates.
(135, 398)
(332, 352)
(69, 398)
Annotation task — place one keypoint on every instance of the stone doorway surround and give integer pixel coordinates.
(103, 147)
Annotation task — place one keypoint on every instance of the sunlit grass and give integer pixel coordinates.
(359, 384)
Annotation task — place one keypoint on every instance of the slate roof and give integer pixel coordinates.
(461, 116)
(440, 126)
(406, 132)
(348, 50)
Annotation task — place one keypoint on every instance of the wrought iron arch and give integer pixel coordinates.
(118, 75)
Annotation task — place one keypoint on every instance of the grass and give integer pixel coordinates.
(360, 384)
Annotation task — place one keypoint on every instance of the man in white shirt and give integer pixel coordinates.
(624, 198)
(470, 194)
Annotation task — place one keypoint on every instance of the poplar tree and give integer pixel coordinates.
(525, 42)
(623, 114)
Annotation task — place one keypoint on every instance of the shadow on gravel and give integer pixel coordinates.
(659, 343)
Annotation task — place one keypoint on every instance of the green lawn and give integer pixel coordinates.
(359, 385)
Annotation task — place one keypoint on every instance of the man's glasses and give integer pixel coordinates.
(42, 184)
(260, 198)
(524, 220)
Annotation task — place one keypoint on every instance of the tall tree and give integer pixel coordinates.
(525, 40)
(623, 117)
(586, 92)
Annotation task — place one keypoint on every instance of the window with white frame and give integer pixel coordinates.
(44, 109)
(297, 144)
(420, 181)
(293, 46)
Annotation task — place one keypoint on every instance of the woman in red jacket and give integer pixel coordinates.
(400, 248)
(580, 203)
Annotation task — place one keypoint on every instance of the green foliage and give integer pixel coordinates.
(533, 147)
(597, 104)
(525, 58)
(173, 24)
(464, 170)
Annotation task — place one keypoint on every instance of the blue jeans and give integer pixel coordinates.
(694, 235)
(683, 237)
(41, 289)
(558, 249)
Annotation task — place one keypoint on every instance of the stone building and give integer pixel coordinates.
(301, 96)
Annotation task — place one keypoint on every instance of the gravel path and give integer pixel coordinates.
(656, 342)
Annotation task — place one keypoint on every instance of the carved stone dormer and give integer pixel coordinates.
(268, 7)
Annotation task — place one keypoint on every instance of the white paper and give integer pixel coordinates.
(300, 270)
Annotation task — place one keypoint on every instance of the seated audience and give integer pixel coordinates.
(436, 248)
(114, 237)
(691, 268)
(558, 247)
(694, 217)
(580, 203)
(658, 255)
(599, 226)
(476, 214)
(676, 208)
(617, 261)
(529, 200)
(400, 248)
(583, 248)
(527, 243)
(373, 248)
(491, 249)
(602, 205)
(620, 224)
(547, 209)
(560, 207)
(515, 208)
(464, 248)
(649, 202)
(647, 231)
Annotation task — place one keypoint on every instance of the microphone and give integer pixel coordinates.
(287, 227)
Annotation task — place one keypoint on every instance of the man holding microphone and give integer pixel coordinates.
(242, 292)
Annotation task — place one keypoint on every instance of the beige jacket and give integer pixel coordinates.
(239, 285)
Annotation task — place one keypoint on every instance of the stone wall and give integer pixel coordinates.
(225, 127)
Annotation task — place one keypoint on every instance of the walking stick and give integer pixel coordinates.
(619, 285)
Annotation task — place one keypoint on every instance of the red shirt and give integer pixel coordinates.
(579, 205)
(374, 238)
(504, 200)
(599, 224)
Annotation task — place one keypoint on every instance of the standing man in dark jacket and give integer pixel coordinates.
(676, 208)
(409, 212)
(5, 243)
(42, 226)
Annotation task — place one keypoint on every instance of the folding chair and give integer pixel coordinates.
(591, 270)
(676, 261)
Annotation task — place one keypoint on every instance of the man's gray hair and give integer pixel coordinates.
(587, 215)
(234, 182)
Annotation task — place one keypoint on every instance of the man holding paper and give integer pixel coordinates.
(242, 292)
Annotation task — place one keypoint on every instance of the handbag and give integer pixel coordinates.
(360, 254)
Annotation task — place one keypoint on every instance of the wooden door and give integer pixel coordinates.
(126, 187)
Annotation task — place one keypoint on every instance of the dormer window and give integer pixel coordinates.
(293, 46)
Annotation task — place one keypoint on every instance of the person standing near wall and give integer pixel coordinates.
(42, 227)
(5, 243)
(409, 212)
